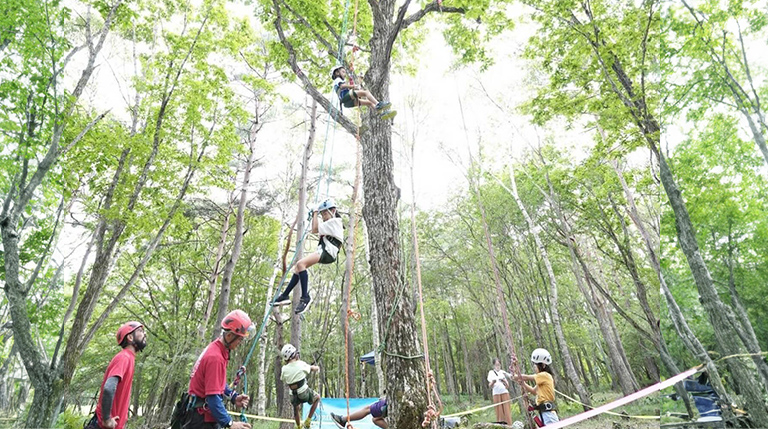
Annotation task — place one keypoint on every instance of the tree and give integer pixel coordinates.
(315, 25)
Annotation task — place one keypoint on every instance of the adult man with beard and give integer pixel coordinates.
(115, 395)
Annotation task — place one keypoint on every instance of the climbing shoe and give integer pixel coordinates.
(307, 422)
(281, 300)
(303, 305)
(389, 114)
(340, 421)
(383, 105)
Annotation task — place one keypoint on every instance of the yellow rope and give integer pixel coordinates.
(253, 416)
(742, 355)
(608, 412)
(474, 410)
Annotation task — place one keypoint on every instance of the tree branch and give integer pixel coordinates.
(308, 87)
(431, 7)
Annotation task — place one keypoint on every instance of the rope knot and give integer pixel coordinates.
(430, 415)
(354, 314)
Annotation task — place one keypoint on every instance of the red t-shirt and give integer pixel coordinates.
(121, 366)
(209, 375)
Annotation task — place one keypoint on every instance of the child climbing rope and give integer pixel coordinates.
(377, 410)
(294, 374)
(331, 231)
(545, 385)
(350, 95)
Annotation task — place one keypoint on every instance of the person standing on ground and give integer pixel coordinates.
(203, 405)
(497, 380)
(115, 395)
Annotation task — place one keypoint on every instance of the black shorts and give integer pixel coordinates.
(349, 99)
(195, 420)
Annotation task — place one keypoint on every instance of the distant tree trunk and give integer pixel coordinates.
(295, 338)
(213, 279)
(468, 380)
(565, 352)
(229, 269)
(261, 395)
(621, 373)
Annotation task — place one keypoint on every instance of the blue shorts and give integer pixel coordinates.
(379, 408)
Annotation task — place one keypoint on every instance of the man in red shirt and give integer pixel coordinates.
(115, 395)
(203, 405)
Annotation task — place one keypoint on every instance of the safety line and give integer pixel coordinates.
(625, 400)
(474, 410)
(608, 412)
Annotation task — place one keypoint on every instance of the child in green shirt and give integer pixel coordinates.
(294, 374)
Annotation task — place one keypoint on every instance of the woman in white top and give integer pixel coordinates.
(331, 231)
(497, 380)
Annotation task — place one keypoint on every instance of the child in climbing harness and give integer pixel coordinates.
(331, 232)
(350, 95)
(377, 411)
(545, 385)
(294, 374)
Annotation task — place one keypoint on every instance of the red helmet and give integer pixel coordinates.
(238, 323)
(127, 328)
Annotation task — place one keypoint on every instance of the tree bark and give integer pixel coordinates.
(718, 314)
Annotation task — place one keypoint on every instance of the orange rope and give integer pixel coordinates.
(350, 312)
(432, 412)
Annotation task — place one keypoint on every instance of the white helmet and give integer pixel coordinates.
(288, 352)
(541, 356)
(333, 70)
(326, 205)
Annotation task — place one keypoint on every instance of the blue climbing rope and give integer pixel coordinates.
(332, 116)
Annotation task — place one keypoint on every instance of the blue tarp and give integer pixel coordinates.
(369, 358)
(322, 418)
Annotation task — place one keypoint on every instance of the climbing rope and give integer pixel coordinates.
(350, 313)
(241, 373)
(433, 411)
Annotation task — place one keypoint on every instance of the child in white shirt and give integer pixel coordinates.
(331, 231)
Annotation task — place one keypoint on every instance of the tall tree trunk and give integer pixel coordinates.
(744, 328)
(719, 315)
(405, 376)
(213, 279)
(621, 369)
(295, 338)
(468, 380)
(565, 351)
(261, 395)
(229, 269)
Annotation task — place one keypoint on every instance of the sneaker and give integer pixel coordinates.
(388, 114)
(383, 105)
(307, 422)
(303, 305)
(281, 300)
(340, 422)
